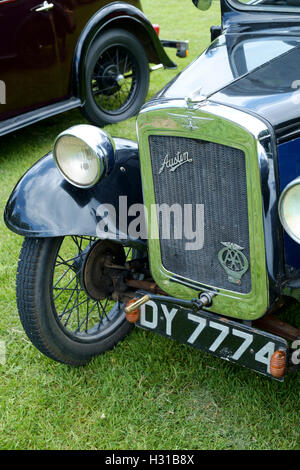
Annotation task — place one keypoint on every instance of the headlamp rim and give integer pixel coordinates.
(72, 132)
(289, 186)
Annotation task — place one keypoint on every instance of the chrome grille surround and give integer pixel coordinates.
(223, 126)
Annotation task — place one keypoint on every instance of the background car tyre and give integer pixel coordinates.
(59, 318)
(116, 78)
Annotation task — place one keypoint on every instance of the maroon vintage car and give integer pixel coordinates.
(92, 54)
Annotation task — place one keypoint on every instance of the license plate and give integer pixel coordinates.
(208, 332)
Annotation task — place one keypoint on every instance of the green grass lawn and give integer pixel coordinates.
(149, 392)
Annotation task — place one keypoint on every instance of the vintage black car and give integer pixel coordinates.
(194, 232)
(65, 54)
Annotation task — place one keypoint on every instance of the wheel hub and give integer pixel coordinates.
(109, 80)
(94, 278)
(120, 79)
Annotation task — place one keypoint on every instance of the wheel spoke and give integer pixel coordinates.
(65, 261)
(78, 244)
(100, 91)
(71, 310)
(103, 308)
(62, 261)
(100, 315)
(63, 277)
(79, 314)
(62, 290)
(125, 64)
(117, 58)
(108, 94)
(77, 305)
(69, 300)
(85, 320)
(128, 253)
(87, 316)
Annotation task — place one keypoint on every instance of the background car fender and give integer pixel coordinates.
(44, 204)
(116, 15)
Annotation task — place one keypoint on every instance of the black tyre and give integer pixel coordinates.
(117, 78)
(57, 314)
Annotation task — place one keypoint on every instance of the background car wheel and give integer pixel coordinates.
(59, 316)
(117, 78)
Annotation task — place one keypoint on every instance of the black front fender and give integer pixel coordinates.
(44, 204)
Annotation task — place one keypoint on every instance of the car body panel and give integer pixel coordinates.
(233, 116)
(289, 167)
(117, 15)
(44, 204)
(253, 66)
(29, 63)
(42, 53)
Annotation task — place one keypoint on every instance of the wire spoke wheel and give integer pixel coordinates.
(64, 296)
(114, 79)
(117, 77)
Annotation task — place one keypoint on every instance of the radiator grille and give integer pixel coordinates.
(216, 178)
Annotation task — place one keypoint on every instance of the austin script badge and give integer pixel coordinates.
(175, 162)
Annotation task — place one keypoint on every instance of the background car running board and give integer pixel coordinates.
(22, 120)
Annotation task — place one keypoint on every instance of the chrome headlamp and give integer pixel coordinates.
(289, 209)
(84, 154)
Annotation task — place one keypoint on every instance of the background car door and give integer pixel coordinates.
(29, 59)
